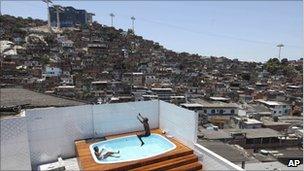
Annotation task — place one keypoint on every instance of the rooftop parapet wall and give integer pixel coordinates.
(178, 122)
(15, 152)
(51, 132)
(117, 118)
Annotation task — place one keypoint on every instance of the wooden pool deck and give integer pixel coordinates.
(181, 158)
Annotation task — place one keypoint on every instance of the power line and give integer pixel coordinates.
(214, 34)
(211, 34)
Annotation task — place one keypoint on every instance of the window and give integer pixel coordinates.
(232, 111)
(205, 111)
(279, 111)
(221, 111)
(212, 111)
(249, 141)
(274, 111)
(265, 140)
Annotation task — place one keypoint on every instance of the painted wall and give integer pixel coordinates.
(44, 134)
(280, 110)
(15, 153)
(121, 117)
(178, 122)
(52, 131)
(226, 111)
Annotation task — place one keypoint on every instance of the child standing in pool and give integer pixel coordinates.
(103, 154)
(145, 123)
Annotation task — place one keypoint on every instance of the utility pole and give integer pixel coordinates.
(48, 12)
(112, 17)
(58, 10)
(280, 47)
(133, 19)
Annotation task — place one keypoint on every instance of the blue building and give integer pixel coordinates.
(70, 17)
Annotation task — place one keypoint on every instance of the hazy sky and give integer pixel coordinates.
(245, 30)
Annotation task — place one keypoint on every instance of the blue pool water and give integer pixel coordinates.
(130, 148)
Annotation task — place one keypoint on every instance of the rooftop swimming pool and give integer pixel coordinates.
(130, 148)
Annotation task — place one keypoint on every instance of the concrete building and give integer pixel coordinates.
(163, 93)
(52, 72)
(134, 78)
(277, 108)
(150, 79)
(192, 106)
(217, 108)
(178, 100)
(250, 123)
(68, 91)
(70, 17)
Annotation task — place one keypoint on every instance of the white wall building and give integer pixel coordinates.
(277, 108)
(52, 72)
(150, 79)
(134, 78)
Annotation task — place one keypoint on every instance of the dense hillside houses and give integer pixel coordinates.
(81, 54)
(247, 107)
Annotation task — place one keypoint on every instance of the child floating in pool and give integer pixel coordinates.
(147, 133)
(103, 154)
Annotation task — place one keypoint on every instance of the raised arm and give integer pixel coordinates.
(140, 120)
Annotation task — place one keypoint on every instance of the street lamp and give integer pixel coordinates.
(280, 47)
(58, 9)
(112, 16)
(133, 19)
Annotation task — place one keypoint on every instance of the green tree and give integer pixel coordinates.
(284, 61)
(273, 65)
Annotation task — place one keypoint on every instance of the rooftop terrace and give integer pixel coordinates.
(43, 134)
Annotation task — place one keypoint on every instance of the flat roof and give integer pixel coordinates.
(161, 89)
(207, 104)
(271, 103)
(21, 96)
(219, 98)
(99, 82)
(133, 73)
(291, 153)
(256, 133)
(177, 97)
(229, 152)
(271, 123)
(252, 121)
(191, 105)
(65, 86)
(213, 134)
(149, 95)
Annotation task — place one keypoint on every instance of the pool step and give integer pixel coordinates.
(169, 164)
(155, 160)
(188, 167)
